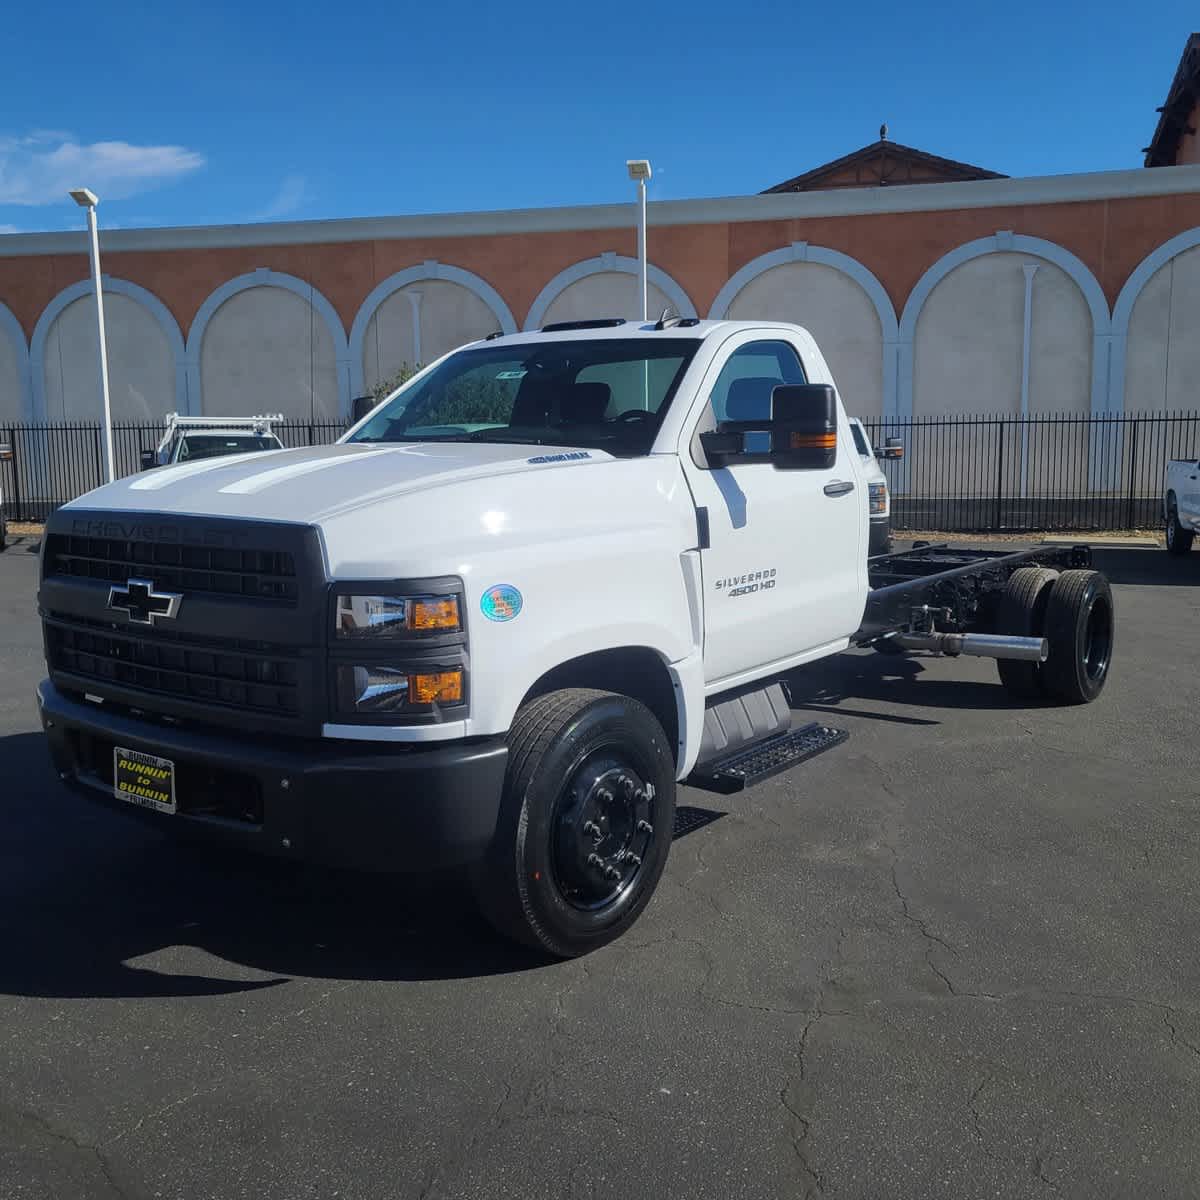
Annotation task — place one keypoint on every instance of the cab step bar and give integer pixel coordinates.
(760, 760)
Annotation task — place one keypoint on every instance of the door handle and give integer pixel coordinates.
(839, 487)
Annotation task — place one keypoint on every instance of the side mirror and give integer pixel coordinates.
(360, 406)
(892, 448)
(146, 458)
(804, 427)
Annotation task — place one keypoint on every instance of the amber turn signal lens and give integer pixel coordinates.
(814, 441)
(435, 613)
(446, 687)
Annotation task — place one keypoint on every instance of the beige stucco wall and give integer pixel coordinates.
(1162, 356)
(967, 360)
(605, 294)
(967, 348)
(141, 368)
(267, 350)
(837, 312)
(450, 315)
(1060, 359)
(10, 381)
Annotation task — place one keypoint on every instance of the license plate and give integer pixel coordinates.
(144, 779)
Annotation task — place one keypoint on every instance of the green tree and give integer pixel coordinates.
(385, 387)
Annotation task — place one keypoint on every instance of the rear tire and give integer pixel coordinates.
(1022, 613)
(1079, 627)
(1179, 540)
(585, 822)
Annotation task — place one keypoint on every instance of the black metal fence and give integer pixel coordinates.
(958, 473)
(984, 473)
(52, 464)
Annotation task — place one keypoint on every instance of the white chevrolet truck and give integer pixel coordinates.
(1181, 504)
(551, 578)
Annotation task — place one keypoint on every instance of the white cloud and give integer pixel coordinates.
(9, 229)
(39, 167)
(293, 192)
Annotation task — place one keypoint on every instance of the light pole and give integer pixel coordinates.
(89, 200)
(639, 172)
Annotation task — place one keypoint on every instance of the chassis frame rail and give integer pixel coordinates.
(962, 584)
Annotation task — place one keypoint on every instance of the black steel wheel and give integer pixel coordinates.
(1079, 627)
(1022, 613)
(586, 821)
(1179, 540)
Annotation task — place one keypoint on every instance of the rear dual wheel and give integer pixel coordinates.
(1074, 613)
(585, 823)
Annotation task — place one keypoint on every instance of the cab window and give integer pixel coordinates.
(743, 388)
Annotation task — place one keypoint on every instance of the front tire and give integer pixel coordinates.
(1179, 540)
(585, 822)
(1079, 627)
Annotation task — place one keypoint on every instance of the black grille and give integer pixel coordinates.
(249, 676)
(262, 574)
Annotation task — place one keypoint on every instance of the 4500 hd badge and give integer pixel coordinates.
(748, 584)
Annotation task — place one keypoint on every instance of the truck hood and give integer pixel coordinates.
(318, 483)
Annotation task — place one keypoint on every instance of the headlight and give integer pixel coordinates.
(879, 498)
(376, 689)
(398, 651)
(384, 616)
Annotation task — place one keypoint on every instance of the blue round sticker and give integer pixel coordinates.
(501, 603)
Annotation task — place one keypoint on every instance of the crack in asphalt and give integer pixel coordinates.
(976, 1116)
(922, 926)
(1039, 1169)
(66, 1139)
(817, 1182)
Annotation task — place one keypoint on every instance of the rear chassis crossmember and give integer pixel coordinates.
(956, 589)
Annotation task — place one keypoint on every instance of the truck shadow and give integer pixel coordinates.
(897, 679)
(1148, 567)
(85, 895)
(93, 906)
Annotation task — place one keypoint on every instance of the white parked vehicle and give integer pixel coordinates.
(552, 577)
(1181, 504)
(6, 455)
(186, 439)
(879, 503)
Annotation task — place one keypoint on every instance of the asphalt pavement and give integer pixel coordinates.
(957, 957)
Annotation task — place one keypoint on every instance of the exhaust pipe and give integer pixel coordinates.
(980, 645)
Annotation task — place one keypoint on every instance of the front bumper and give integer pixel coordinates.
(880, 541)
(384, 807)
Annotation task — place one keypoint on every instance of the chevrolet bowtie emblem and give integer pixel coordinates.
(141, 603)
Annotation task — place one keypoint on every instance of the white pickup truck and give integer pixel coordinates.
(1181, 504)
(553, 576)
(186, 439)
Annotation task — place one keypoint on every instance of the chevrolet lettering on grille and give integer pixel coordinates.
(141, 603)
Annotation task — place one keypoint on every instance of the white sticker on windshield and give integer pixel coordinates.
(512, 375)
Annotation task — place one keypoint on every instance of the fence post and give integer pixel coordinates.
(1133, 447)
(1000, 479)
(16, 474)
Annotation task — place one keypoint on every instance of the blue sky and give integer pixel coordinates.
(228, 112)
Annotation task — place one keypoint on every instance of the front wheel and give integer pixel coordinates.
(1179, 540)
(585, 823)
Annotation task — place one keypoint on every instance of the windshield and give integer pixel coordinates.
(603, 394)
(198, 445)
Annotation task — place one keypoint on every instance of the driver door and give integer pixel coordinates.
(784, 571)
